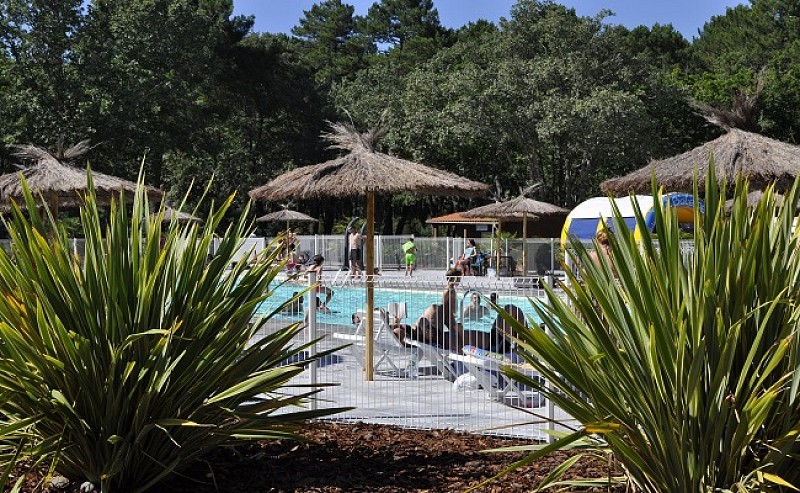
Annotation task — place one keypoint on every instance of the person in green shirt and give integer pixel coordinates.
(410, 249)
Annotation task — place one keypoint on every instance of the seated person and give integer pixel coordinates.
(475, 309)
(302, 257)
(468, 257)
(292, 265)
(295, 307)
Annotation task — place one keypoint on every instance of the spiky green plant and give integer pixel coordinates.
(684, 366)
(124, 365)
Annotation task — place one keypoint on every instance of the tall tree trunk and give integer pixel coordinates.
(401, 221)
(388, 216)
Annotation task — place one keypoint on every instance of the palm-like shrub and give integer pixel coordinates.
(684, 365)
(126, 364)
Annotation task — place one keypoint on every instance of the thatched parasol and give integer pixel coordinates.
(60, 183)
(287, 215)
(181, 217)
(515, 208)
(753, 199)
(762, 160)
(364, 171)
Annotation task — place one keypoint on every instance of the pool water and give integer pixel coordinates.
(348, 300)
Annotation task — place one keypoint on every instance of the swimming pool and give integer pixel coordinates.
(350, 299)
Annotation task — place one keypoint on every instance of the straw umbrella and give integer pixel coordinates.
(364, 171)
(520, 206)
(61, 184)
(762, 160)
(753, 199)
(287, 215)
(180, 216)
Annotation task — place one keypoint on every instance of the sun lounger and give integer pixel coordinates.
(388, 348)
(437, 356)
(486, 368)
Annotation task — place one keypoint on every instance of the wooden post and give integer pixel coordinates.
(524, 241)
(499, 230)
(53, 205)
(369, 336)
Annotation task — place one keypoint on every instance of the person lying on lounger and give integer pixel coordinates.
(431, 325)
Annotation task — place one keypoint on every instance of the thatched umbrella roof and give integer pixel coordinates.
(180, 216)
(364, 171)
(286, 215)
(762, 160)
(519, 207)
(60, 183)
(516, 208)
(753, 199)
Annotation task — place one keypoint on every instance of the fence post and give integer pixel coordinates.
(551, 406)
(379, 251)
(447, 252)
(311, 333)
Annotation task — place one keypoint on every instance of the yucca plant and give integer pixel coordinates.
(683, 365)
(123, 366)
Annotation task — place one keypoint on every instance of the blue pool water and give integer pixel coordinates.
(347, 300)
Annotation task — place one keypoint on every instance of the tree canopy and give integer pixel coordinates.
(545, 96)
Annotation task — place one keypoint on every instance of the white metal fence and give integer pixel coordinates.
(417, 385)
(541, 254)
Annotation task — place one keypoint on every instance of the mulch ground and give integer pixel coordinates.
(368, 458)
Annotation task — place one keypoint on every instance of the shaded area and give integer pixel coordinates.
(361, 457)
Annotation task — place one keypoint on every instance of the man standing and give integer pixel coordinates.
(410, 249)
(355, 241)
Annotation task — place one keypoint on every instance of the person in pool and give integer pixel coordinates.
(295, 307)
(316, 266)
(501, 338)
(475, 310)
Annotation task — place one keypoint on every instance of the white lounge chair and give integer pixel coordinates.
(486, 368)
(437, 356)
(388, 348)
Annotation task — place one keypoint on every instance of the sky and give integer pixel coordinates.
(687, 16)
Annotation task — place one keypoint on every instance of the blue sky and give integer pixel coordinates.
(687, 16)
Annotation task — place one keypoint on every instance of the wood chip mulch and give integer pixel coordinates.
(370, 458)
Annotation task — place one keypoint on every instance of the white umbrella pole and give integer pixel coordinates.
(368, 368)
